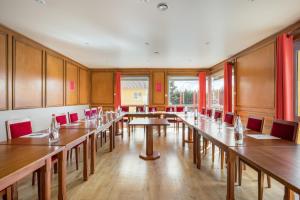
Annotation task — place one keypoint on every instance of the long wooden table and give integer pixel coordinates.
(18, 161)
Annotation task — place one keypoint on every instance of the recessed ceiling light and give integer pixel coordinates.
(41, 1)
(146, 1)
(207, 43)
(156, 52)
(147, 43)
(162, 6)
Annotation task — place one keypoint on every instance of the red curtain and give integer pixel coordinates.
(285, 78)
(227, 87)
(202, 91)
(117, 100)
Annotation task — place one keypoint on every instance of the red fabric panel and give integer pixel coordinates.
(62, 119)
(125, 108)
(87, 113)
(227, 87)
(229, 118)
(73, 117)
(218, 114)
(168, 109)
(20, 129)
(179, 108)
(285, 78)
(202, 91)
(254, 124)
(152, 109)
(283, 131)
(209, 112)
(94, 112)
(117, 100)
(140, 109)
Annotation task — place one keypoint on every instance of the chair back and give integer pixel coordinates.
(255, 123)
(170, 109)
(286, 130)
(125, 108)
(209, 112)
(218, 114)
(139, 109)
(73, 117)
(94, 112)
(87, 113)
(18, 128)
(179, 108)
(152, 108)
(203, 111)
(229, 118)
(61, 119)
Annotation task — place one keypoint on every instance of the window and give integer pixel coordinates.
(134, 90)
(183, 91)
(217, 92)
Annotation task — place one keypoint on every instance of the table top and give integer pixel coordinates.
(149, 122)
(281, 162)
(92, 125)
(66, 137)
(15, 159)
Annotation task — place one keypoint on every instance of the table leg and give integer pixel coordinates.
(183, 134)
(110, 139)
(190, 136)
(62, 170)
(44, 176)
(93, 152)
(198, 150)
(86, 159)
(122, 127)
(150, 154)
(230, 174)
(194, 146)
(288, 194)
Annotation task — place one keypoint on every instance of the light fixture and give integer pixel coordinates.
(162, 6)
(41, 1)
(156, 52)
(147, 43)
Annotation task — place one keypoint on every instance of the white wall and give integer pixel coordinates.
(40, 117)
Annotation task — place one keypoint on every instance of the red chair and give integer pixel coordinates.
(73, 117)
(152, 109)
(255, 123)
(170, 109)
(218, 114)
(179, 108)
(61, 119)
(125, 108)
(94, 112)
(203, 111)
(18, 128)
(87, 113)
(229, 118)
(286, 130)
(171, 120)
(209, 112)
(139, 109)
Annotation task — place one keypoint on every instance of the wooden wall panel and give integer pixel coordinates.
(255, 84)
(71, 84)
(54, 80)
(84, 86)
(102, 88)
(27, 76)
(3, 71)
(158, 88)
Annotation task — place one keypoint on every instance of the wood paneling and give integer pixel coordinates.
(3, 71)
(255, 84)
(54, 80)
(102, 88)
(27, 75)
(158, 88)
(71, 84)
(84, 86)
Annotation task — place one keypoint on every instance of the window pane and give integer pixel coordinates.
(217, 92)
(134, 90)
(183, 91)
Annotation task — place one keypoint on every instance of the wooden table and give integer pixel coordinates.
(280, 162)
(18, 161)
(149, 123)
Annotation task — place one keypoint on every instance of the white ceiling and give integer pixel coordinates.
(112, 33)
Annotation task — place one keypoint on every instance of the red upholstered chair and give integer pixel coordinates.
(94, 112)
(209, 112)
(179, 108)
(286, 130)
(139, 109)
(61, 119)
(18, 128)
(171, 120)
(73, 117)
(125, 108)
(87, 113)
(255, 123)
(203, 111)
(229, 118)
(218, 114)
(152, 109)
(170, 109)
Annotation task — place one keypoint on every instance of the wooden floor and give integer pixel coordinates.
(123, 175)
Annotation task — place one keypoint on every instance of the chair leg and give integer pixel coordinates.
(222, 158)
(77, 157)
(213, 153)
(240, 172)
(269, 181)
(260, 185)
(33, 178)
(55, 168)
